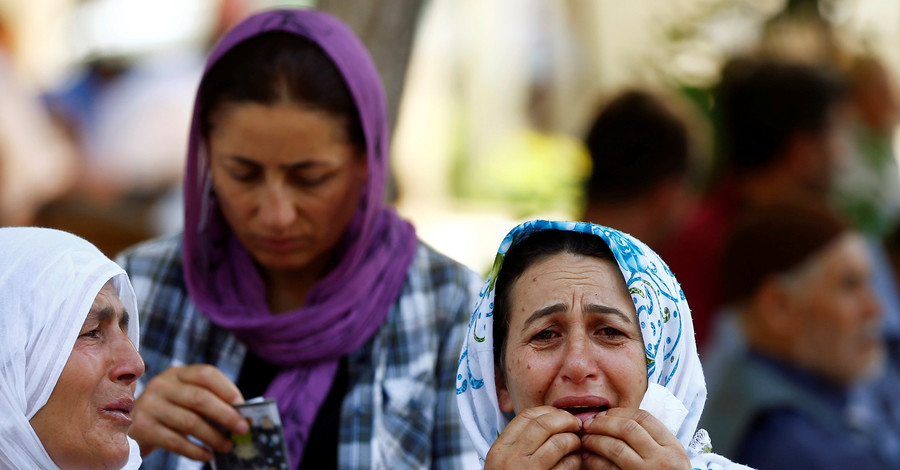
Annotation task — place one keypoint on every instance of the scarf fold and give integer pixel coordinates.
(676, 387)
(345, 308)
(48, 282)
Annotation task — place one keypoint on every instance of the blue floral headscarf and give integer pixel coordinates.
(673, 367)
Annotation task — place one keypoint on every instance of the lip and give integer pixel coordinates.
(119, 409)
(592, 406)
(280, 244)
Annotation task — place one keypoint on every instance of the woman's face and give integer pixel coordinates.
(574, 341)
(287, 180)
(85, 421)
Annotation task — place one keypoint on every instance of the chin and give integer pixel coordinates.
(281, 262)
(872, 364)
(118, 455)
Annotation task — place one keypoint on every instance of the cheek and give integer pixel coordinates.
(630, 376)
(232, 201)
(528, 378)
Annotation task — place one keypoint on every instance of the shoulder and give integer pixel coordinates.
(436, 267)
(786, 438)
(152, 255)
(439, 292)
(154, 269)
(433, 273)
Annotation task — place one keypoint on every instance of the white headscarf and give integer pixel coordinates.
(676, 389)
(48, 282)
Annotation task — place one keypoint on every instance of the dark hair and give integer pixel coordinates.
(762, 104)
(635, 143)
(278, 67)
(533, 248)
(774, 239)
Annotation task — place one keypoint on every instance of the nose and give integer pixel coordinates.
(276, 209)
(128, 366)
(578, 361)
(872, 306)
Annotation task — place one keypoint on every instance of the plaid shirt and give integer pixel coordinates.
(400, 407)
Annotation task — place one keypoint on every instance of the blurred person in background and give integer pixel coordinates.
(38, 163)
(782, 132)
(867, 192)
(292, 279)
(641, 152)
(867, 187)
(799, 278)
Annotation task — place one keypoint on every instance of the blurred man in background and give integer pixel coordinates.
(641, 152)
(781, 127)
(800, 280)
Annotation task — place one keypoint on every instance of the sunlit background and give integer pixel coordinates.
(489, 98)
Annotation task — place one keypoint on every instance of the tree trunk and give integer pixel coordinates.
(387, 28)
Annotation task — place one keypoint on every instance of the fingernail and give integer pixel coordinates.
(242, 427)
(588, 422)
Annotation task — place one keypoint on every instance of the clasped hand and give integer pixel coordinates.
(545, 437)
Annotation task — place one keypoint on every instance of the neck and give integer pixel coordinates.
(286, 289)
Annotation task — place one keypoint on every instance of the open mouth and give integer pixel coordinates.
(585, 413)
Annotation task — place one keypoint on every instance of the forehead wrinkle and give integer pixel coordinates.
(104, 309)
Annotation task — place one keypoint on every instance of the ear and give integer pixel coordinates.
(502, 392)
(774, 303)
(803, 150)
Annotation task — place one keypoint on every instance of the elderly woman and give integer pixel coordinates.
(584, 340)
(292, 278)
(68, 354)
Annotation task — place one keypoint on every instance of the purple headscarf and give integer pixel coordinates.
(345, 308)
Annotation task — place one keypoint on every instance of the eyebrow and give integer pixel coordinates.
(588, 308)
(106, 313)
(289, 166)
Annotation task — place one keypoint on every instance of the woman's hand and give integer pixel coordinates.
(631, 439)
(537, 438)
(178, 402)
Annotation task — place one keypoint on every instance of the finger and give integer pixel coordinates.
(569, 462)
(557, 450)
(212, 379)
(657, 430)
(170, 440)
(626, 428)
(592, 461)
(533, 427)
(522, 420)
(615, 450)
(204, 404)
